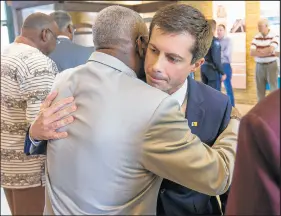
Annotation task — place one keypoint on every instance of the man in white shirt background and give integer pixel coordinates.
(265, 48)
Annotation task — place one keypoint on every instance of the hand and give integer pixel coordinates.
(51, 118)
(223, 77)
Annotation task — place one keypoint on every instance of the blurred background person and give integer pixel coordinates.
(212, 72)
(226, 56)
(68, 54)
(265, 48)
(27, 75)
(255, 188)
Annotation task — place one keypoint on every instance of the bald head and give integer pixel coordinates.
(263, 21)
(37, 21)
(42, 30)
(117, 26)
(263, 26)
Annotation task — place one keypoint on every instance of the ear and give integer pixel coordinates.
(44, 35)
(141, 45)
(70, 29)
(197, 65)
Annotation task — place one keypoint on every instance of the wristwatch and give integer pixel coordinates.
(235, 114)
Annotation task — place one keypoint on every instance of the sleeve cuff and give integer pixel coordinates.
(35, 143)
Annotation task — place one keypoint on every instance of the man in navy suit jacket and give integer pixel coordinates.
(208, 112)
(68, 54)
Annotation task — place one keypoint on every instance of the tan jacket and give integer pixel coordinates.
(127, 136)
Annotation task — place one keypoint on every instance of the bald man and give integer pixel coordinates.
(265, 49)
(27, 75)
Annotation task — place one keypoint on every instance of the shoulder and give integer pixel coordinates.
(210, 93)
(258, 35)
(268, 109)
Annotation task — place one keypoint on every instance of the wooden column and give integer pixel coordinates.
(248, 95)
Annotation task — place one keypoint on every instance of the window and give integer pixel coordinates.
(4, 28)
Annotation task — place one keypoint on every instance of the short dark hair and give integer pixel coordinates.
(179, 18)
(222, 25)
(213, 24)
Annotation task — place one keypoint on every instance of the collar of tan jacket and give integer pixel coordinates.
(112, 62)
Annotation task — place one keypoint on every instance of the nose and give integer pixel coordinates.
(158, 64)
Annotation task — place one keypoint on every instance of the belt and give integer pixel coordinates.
(266, 63)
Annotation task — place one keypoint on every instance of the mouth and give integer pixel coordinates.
(154, 79)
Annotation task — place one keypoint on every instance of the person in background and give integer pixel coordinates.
(255, 188)
(68, 54)
(107, 70)
(265, 48)
(226, 54)
(27, 75)
(212, 73)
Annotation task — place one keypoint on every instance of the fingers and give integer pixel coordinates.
(61, 114)
(57, 106)
(58, 135)
(49, 99)
(61, 123)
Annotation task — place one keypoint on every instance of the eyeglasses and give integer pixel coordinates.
(56, 38)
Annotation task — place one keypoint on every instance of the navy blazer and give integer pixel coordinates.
(213, 65)
(211, 110)
(69, 55)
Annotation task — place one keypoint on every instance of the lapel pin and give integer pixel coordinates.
(194, 124)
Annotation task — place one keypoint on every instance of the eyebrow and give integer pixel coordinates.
(171, 54)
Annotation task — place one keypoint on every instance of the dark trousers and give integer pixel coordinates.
(210, 77)
(227, 82)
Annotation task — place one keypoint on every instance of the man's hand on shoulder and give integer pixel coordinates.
(235, 114)
(51, 118)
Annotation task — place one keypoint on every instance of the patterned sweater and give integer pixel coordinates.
(27, 76)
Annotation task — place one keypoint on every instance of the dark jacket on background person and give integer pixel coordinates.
(212, 68)
(69, 55)
(256, 180)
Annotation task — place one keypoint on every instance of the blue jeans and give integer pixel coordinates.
(227, 83)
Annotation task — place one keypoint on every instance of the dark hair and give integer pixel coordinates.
(213, 24)
(222, 25)
(179, 18)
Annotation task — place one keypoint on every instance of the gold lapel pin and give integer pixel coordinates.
(194, 124)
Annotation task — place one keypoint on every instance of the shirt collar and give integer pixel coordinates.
(180, 94)
(63, 36)
(112, 62)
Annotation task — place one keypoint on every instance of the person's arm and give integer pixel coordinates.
(257, 167)
(264, 52)
(171, 151)
(228, 50)
(216, 56)
(49, 119)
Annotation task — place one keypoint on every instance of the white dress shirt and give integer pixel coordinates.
(180, 94)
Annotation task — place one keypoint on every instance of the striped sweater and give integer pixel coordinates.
(260, 42)
(27, 76)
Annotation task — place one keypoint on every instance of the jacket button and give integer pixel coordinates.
(162, 191)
